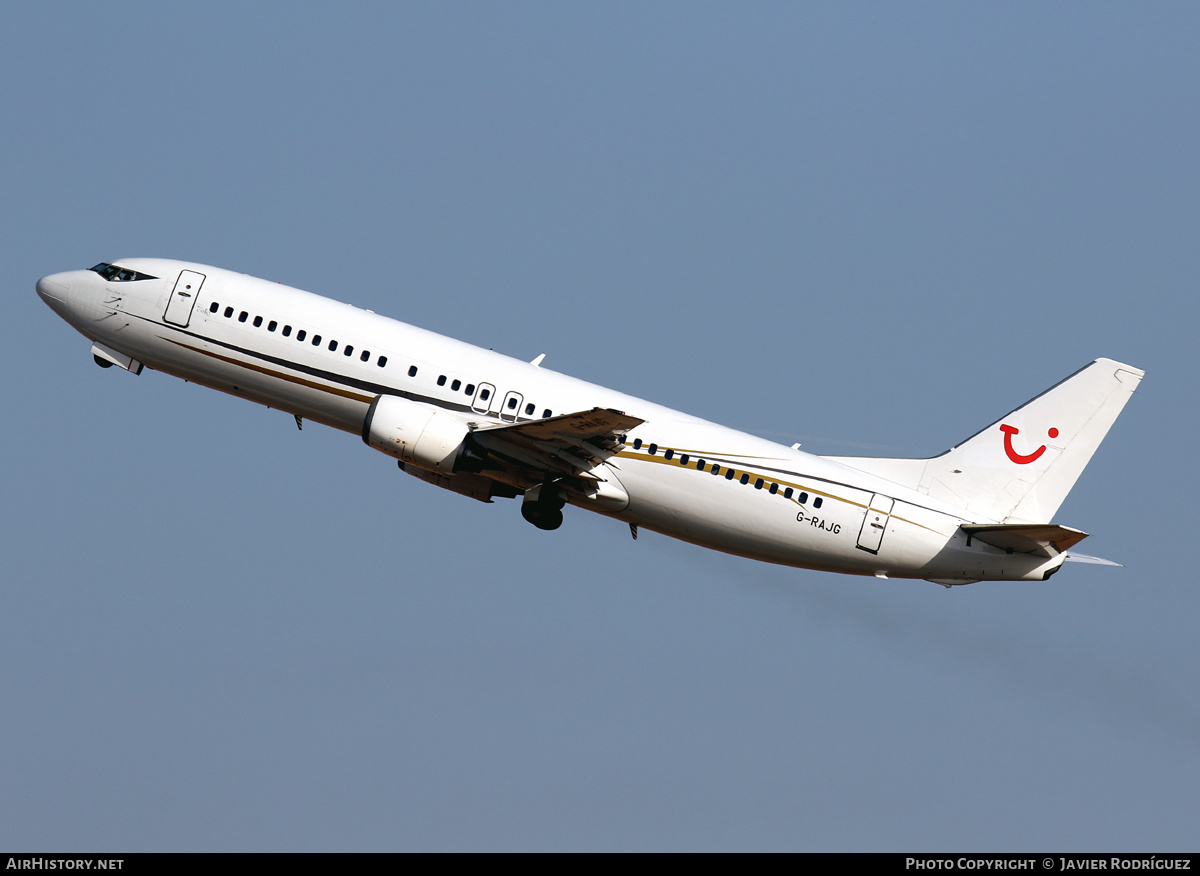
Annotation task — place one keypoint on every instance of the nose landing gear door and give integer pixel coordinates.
(183, 297)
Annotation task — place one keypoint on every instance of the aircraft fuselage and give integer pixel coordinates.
(326, 361)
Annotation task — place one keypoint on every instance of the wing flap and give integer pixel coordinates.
(569, 444)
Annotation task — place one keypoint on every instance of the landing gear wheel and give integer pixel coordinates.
(541, 516)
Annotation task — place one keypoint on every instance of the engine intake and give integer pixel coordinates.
(417, 433)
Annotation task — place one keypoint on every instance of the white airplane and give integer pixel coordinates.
(485, 425)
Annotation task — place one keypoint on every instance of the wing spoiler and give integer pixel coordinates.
(569, 443)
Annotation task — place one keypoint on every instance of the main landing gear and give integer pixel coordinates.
(542, 507)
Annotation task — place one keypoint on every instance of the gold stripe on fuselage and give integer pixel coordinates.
(627, 454)
(291, 378)
(767, 478)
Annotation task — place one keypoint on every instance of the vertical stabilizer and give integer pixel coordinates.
(1020, 468)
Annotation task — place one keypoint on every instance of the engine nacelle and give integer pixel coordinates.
(415, 433)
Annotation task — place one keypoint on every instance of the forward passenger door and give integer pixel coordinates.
(183, 298)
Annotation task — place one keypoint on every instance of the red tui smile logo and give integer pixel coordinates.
(1018, 458)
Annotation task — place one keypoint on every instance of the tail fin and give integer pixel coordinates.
(1020, 468)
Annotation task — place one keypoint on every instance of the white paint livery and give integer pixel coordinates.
(486, 425)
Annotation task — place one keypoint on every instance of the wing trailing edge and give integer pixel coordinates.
(569, 443)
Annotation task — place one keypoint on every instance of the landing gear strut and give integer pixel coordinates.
(542, 507)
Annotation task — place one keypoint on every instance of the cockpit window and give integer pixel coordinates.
(117, 274)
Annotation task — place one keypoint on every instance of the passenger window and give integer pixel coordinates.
(546, 413)
(412, 370)
(637, 443)
(817, 502)
(214, 307)
(716, 469)
(669, 453)
(699, 465)
(803, 497)
(349, 351)
(745, 478)
(300, 335)
(484, 393)
(787, 494)
(729, 473)
(470, 390)
(383, 362)
(287, 331)
(272, 325)
(758, 483)
(683, 458)
(529, 410)
(228, 312)
(365, 356)
(242, 316)
(316, 341)
(455, 385)
(512, 403)
(258, 322)
(442, 380)
(774, 489)
(333, 346)
(653, 449)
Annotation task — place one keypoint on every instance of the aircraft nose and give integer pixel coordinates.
(55, 290)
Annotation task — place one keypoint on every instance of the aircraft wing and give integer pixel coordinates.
(570, 444)
(1046, 539)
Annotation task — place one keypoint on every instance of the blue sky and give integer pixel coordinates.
(868, 228)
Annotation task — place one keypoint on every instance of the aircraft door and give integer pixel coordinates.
(482, 403)
(875, 521)
(183, 297)
(511, 406)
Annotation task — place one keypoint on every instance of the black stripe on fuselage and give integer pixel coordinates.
(331, 376)
(381, 389)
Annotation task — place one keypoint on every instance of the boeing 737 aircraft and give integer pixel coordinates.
(485, 425)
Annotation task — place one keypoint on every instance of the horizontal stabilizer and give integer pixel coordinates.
(1046, 539)
(1093, 561)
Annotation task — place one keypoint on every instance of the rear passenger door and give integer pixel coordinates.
(875, 522)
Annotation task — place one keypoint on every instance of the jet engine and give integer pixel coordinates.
(420, 435)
